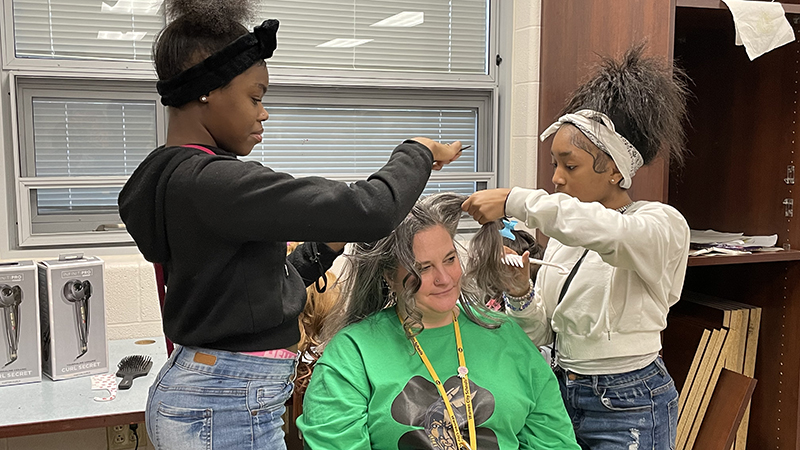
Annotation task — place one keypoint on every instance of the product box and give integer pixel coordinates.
(20, 359)
(73, 319)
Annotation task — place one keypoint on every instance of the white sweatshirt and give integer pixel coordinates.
(616, 306)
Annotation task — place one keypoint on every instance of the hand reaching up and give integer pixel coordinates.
(443, 154)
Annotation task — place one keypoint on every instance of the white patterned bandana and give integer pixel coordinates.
(606, 138)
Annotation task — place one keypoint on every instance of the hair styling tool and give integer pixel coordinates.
(132, 366)
(10, 298)
(78, 292)
(516, 261)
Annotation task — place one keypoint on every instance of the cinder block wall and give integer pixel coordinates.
(525, 92)
(132, 309)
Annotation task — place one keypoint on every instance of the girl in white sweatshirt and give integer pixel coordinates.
(627, 259)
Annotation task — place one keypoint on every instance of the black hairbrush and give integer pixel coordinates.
(133, 366)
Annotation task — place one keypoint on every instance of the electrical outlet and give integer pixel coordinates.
(120, 437)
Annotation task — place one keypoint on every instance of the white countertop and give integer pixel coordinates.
(70, 403)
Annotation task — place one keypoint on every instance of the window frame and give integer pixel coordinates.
(24, 87)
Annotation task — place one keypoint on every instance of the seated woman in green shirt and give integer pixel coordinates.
(416, 352)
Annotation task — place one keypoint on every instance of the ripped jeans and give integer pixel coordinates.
(213, 399)
(637, 410)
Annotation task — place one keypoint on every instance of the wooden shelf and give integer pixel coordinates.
(790, 8)
(704, 260)
(743, 116)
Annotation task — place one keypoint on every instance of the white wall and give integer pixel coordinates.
(525, 93)
(132, 309)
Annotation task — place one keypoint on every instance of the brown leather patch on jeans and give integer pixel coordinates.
(205, 358)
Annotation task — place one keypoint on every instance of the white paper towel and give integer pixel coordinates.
(760, 26)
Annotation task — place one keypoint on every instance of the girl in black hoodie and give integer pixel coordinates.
(219, 228)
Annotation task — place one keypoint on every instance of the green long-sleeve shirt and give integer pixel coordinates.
(371, 390)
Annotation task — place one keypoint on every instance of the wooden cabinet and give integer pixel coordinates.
(744, 132)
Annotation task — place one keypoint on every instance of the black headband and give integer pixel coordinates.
(220, 68)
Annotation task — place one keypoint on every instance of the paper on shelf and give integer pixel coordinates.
(712, 236)
(718, 237)
(711, 251)
(760, 26)
(761, 241)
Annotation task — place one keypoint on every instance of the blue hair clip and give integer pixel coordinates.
(508, 227)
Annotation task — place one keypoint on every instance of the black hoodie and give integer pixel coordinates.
(220, 225)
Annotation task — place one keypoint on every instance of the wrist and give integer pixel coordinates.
(505, 202)
(427, 142)
(520, 291)
(518, 303)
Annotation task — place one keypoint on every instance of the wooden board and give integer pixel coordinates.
(698, 387)
(698, 356)
(728, 403)
(705, 399)
(753, 330)
(749, 370)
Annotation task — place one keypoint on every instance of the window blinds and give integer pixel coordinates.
(91, 137)
(304, 140)
(452, 37)
(433, 36)
(109, 138)
(86, 29)
(76, 201)
(74, 138)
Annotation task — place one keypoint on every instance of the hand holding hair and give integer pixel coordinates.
(521, 275)
(443, 154)
(487, 205)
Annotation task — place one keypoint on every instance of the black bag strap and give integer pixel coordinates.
(322, 275)
(561, 297)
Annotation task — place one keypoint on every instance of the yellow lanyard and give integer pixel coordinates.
(462, 373)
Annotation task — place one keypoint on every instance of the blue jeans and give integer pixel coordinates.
(213, 399)
(634, 411)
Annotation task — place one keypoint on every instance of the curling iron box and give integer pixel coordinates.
(73, 319)
(20, 360)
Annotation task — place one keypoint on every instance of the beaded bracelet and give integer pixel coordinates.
(524, 301)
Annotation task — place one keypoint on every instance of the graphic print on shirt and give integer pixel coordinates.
(420, 405)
